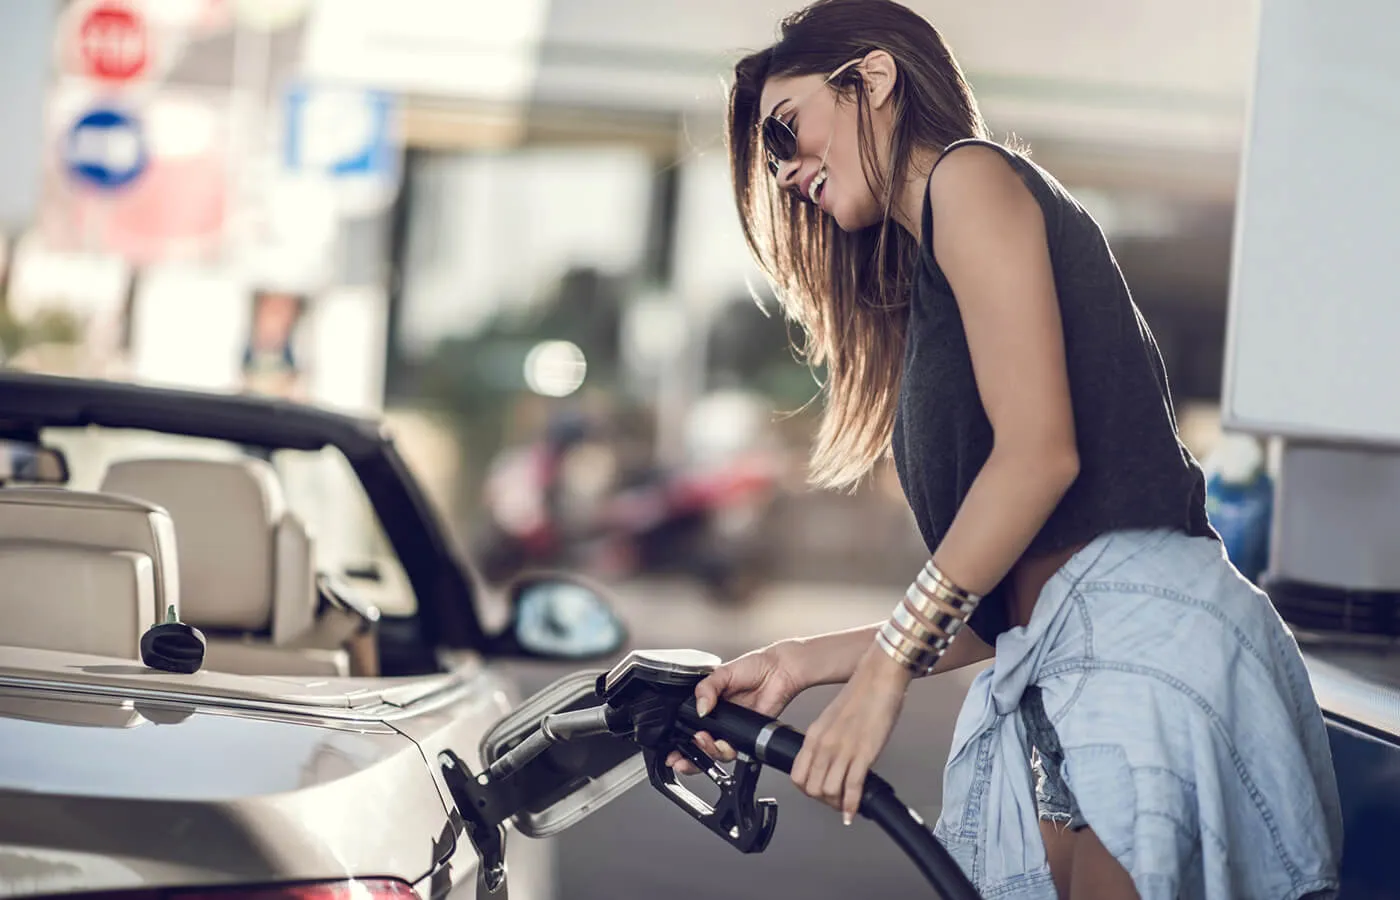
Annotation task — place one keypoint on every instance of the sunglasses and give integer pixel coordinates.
(779, 140)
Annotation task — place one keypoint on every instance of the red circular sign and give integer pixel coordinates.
(112, 42)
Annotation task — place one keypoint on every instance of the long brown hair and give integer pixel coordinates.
(848, 291)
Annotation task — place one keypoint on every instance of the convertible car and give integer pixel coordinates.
(346, 647)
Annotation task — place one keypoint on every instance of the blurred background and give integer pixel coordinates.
(508, 228)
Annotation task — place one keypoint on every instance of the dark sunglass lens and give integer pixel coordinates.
(778, 139)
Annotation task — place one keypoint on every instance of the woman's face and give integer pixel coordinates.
(827, 168)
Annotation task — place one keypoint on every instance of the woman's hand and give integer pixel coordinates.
(764, 680)
(849, 735)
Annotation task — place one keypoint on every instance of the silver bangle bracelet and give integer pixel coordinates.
(937, 614)
(937, 638)
(924, 623)
(904, 650)
(914, 667)
(936, 584)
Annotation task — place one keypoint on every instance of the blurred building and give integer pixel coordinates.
(460, 191)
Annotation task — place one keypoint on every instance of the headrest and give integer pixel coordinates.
(57, 515)
(76, 599)
(226, 514)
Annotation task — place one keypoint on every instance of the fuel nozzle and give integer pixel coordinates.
(651, 687)
(173, 646)
(559, 727)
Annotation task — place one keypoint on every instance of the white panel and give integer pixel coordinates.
(713, 264)
(465, 48)
(1314, 306)
(188, 327)
(347, 349)
(1168, 76)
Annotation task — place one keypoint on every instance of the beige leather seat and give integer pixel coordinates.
(247, 574)
(83, 572)
(76, 599)
(49, 515)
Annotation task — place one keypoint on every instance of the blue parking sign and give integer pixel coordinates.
(105, 148)
(340, 132)
(346, 137)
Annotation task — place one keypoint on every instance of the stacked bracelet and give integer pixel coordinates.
(925, 622)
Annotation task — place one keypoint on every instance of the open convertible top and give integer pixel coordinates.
(29, 402)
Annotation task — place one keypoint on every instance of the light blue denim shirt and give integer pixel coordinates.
(1193, 743)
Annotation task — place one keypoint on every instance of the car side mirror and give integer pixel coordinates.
(557, 617)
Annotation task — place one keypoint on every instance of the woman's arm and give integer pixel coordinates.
(989, 238)
(832, 658)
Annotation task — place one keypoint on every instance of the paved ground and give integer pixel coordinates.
(642, 846)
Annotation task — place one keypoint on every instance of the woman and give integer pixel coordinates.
(1146, 727)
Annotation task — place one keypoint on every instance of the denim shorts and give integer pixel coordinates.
(1053, 800)
(1156, 698)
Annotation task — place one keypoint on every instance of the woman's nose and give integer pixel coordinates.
(787, 174)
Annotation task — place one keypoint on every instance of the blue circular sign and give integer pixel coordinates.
(106, 149)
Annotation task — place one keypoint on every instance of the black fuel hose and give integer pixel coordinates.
(775, 744)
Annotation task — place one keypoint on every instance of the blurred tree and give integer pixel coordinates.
(476, 378)
(51, 325)
(753, 345)
(11, 334)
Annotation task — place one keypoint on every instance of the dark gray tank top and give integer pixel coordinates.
(1134, 470)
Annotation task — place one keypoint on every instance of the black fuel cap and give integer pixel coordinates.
(173, 646)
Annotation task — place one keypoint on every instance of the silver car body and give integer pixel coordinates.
(115, 776)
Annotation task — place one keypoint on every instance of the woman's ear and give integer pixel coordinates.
(879, 72)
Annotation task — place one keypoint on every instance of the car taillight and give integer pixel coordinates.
(370, 889)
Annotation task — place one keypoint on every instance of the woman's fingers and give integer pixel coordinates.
(680, 764)
(834, 784)
(707, 693)
(802, 764)
(810, 769)
(855, 786)
(837, 778)
(716, 750)
(711, 688)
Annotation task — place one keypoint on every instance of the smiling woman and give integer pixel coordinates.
(840, 259)
(974, 324)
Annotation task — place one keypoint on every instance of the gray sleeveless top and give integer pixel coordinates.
(1134, 470)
